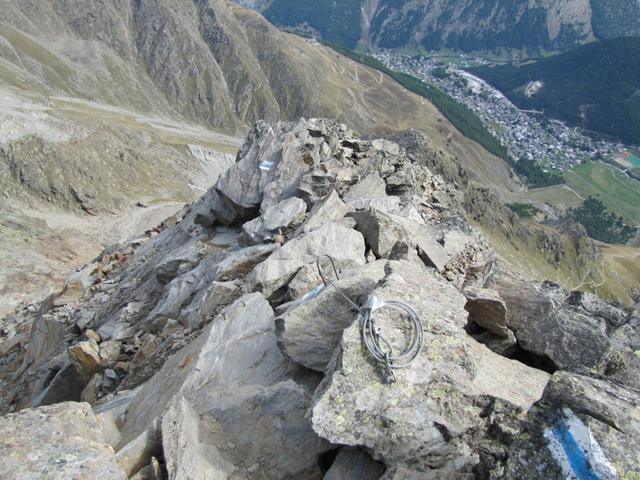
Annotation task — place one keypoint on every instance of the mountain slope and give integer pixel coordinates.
(595, 86)
(467, 25)
(104, 104)
(210, 62)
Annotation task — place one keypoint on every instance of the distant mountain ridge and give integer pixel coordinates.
(465, 25)
(595, 86)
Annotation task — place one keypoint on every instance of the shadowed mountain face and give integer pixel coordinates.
(465, 25)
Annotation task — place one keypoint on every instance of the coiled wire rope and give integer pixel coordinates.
(378, 346)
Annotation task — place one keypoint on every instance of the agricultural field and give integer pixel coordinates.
(619, 193)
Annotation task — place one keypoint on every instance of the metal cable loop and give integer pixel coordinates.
(374, 341)
(328, 282)
(381, 349)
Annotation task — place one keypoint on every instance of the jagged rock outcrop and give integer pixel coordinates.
(432, 417)
(233, 381)
(138, 88)
(548, 322)
(208, 356)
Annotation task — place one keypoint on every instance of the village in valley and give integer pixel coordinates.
(526, 134)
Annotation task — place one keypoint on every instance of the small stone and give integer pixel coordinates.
(110, 353)
(91, 335)
(346, 245)
(121, 366)
(172, 327)
(91, 392)
(253, 468)
(85, 357)
(110, 380)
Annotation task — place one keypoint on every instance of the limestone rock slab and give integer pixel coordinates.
(344, 244)
(56, 442)
(431, 416)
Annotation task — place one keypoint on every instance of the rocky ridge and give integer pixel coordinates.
(213, 347)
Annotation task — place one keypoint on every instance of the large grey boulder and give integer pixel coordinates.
(310, 331)
(487, 310)
(178, 262)
(283, 216)
(329, 209)
(178, 293)
(432, 417)
(594, 305)
(344, 244)
(383, 230)
(370, 192)
(583, 427)
(186, 455)
(547, 325)
(57, 442)
(208, 302)
(236, 264)
(380, 231)
(235, 386)
(276, 162)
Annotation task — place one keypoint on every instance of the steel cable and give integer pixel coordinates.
(378, 346)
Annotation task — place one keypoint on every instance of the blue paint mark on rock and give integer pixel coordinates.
(575, 455)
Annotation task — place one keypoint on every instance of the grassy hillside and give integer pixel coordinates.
(596, 86)
(619, 193)
(458, 114)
